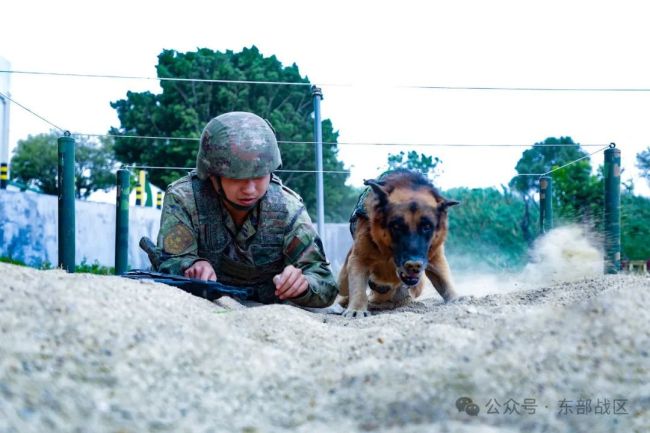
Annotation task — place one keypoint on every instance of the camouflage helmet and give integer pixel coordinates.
(237, 145)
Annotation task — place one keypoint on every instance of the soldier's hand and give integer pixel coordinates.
(291, 283)
(201, 270)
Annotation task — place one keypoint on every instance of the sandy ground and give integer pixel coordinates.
(84, 353)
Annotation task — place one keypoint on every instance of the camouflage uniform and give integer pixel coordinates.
(195, 225)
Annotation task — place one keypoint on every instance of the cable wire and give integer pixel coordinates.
(285, 83)
(611, 145)
(348, 143)
(150, 167)
(30, 111)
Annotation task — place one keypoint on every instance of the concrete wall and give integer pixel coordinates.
(29, 233)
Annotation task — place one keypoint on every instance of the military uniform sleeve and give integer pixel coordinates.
(177, 238)
(304, 250)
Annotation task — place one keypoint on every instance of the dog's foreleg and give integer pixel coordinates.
(440, 276)
(358, 298)
(342, 297)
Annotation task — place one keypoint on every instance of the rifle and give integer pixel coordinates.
(209, 290)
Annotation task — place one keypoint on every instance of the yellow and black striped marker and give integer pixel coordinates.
(139, 188)
(159, 200)
(4, 175)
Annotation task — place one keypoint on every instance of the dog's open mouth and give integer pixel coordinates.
(409, 280)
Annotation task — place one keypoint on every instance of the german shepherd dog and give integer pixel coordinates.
(399, 228)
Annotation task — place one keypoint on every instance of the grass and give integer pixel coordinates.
(83, 268)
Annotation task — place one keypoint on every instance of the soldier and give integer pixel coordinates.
(233, 221)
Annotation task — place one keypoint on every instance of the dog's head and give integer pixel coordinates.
(409, 216)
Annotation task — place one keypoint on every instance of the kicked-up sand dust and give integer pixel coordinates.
(84, 353)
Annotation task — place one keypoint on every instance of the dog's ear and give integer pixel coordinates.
(376, 186)
(448, 203)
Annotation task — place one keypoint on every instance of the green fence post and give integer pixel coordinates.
(122, 222)
(66, 187)
(612, 209)
(545, 204)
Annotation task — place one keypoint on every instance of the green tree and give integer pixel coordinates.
(485, 229)
(578, 195)
(643, 163)
(35, 163)
(541, 158)
(635, 232)
(425, 164)
(184, 107)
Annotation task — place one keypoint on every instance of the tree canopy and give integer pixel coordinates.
(643, 162)
(184, 108)
(425, 164)
(541, 158)
(35, 163)
(485, 229)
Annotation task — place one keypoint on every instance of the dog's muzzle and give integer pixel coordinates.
(411, 272)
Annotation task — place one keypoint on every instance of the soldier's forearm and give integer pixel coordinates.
(178, 265)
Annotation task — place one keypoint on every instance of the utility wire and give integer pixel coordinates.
(285, 83)
(30, 111)
(343, 143)
(306, 142)
(348, 143)
(132, 77)
(611, 145)
(150, 167)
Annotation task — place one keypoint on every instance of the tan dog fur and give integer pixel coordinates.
(371, 256)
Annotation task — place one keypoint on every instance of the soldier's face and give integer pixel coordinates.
(245, 192)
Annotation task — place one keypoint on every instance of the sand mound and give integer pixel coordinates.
(82, 353)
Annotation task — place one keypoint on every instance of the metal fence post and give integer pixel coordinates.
(122, 222)
(612, 209)
(318, 138)
(545, 204)
(66, 187)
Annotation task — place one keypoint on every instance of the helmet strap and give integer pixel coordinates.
(221, 193)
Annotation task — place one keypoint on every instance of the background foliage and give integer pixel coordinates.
(184, 108)
(35, 163)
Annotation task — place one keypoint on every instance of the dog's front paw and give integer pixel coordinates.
(353, 314)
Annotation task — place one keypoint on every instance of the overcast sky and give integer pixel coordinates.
(368, 49)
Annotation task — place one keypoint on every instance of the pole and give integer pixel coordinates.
(4, 124)
(545, 204)
(66, 187)
(612, 209)
(159, 200)
(122, 222)
(318, 138)
(4, 144)
(4, 175)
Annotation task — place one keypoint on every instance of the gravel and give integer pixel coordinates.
(85, 353)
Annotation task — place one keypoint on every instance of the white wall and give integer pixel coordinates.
(28, 231)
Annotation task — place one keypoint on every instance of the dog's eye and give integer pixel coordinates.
(394, 226)
(426, 227)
